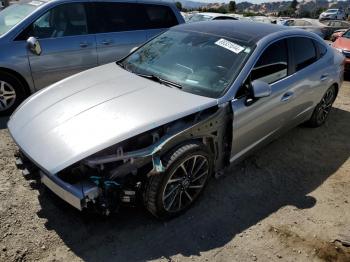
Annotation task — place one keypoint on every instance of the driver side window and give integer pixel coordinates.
(63, 20)
(270, 67)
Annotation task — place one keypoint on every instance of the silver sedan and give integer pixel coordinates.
(179, 109)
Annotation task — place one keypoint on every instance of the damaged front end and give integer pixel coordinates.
(117, 175)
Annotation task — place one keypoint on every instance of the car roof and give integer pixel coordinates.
(249, 32)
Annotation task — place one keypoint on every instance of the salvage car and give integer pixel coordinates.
(342, 44)
(311, 25)
(159, 123)
(333, 14)
(42, 42)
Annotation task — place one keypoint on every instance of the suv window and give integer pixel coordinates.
(60, 21)
(304, 52)
(118, 17)
(272, 64)
(160, 16)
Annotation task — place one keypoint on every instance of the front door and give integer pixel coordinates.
(259, 121)
(67, 47)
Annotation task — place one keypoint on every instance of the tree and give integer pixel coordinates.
(232, 6)
(178, 5)
(294, 5)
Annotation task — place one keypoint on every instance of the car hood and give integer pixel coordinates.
(343, 43)
(93, 110)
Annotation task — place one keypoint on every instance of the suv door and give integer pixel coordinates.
(119, 27)
(257, 122)
(67, 47)
(160, 17)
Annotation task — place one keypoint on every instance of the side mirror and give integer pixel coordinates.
(260, 89)
(34, 45)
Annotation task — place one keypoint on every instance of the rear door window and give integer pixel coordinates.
(118, 17)
(160, 16)
(304, 52)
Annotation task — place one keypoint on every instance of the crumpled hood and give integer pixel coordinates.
(93, 110)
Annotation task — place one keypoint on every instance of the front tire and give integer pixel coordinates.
(12, 93)
(187, 170)
(322, 110)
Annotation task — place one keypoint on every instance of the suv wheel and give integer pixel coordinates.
(187, 170)
(12, 93)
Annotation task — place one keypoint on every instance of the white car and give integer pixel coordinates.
(333, 14)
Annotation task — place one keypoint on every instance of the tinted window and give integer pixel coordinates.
(63, 20)
(304, 52)
(117, 17)
(273, 63)
(322, 50)
(160, 16)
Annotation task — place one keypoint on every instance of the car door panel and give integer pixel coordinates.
(114, 46)
(257, 122)
(62, 57)
(67, 47)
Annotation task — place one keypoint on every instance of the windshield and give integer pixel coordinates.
(332, 11)
(346, 34)
(199, 63)
(12, 15)
(199, 18)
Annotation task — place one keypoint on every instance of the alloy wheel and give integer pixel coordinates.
(7, 95)
(325, 105)
(185, 183)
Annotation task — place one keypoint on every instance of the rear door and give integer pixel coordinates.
(66, 43)
(160, 17)
(309, 79)
(119, 27)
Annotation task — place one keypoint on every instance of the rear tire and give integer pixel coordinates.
(12, 93)
(187, 170)
(322, 110)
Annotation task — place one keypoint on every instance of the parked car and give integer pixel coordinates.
(333, 14)
(206, 16)
(342, 44)
(337, 33)
(158, 123)
(261, 19)
(334, 25)
(311, 25)
(42, 42)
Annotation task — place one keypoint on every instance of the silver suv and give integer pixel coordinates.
(42, 42)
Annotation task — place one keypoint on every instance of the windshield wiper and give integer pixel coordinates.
(161, 80)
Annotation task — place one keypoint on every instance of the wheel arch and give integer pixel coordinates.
(19, 77)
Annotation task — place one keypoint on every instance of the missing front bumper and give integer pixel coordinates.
(77, 195)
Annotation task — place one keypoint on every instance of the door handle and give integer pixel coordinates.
(324, 77)
(287, 96)
(106, 42)
(84, 44)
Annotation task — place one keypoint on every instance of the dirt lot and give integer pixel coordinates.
(287, 202)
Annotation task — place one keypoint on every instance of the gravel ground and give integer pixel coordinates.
(287, 202)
